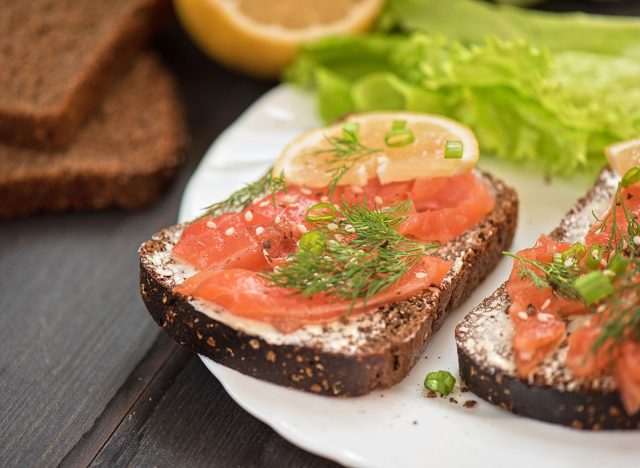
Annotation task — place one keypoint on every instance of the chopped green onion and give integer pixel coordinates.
(594, 256)
(618, 264)
(321, 213)
(594, 286)
(576, 251)
(350, 131)
(454, 149)
(399, 135)
(312, 241)
(631, 177)
(441, 382)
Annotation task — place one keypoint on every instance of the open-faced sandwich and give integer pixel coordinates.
(560, 340)
(331, 272)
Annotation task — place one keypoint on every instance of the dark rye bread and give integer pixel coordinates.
(352, 356)
(551, 394)
(125, 156)
(59, 58)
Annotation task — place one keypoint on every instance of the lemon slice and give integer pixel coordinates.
(624, 156)
(312, 160)
(260, 37)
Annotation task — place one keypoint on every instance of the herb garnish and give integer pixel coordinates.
(246, 195)
(615, 290)
(559, 275)
(362, 256)
(344, 153)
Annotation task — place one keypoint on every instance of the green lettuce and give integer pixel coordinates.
(557, 110)
(471, 21)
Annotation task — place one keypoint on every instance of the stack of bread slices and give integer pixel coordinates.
(88, 119)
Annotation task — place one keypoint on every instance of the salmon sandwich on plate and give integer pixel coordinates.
(330, 273)
(560, 340)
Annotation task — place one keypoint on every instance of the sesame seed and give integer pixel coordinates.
(264, 203)
(248, 216)
(378, 200)
(349, 228)
(545, 304)
(609, 273)
(421, 275)
(305, 191)
(294, 205)
(357, 189)
(569, 262)
(277, 220)
(544, 317)
(523, 315)
(636, 240)
(211, 224)
(229, 232)
(302, 228)
(332, 226)
(324, 199)
(259, 230)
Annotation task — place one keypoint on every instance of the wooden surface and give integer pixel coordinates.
(85, 374)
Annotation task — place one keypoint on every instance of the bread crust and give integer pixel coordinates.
(380, 363)
(587, 404)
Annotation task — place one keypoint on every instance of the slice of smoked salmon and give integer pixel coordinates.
(580, 356)
(246, 294)
(627, 375)
(239, 240)
(447, 207)
(523, 293)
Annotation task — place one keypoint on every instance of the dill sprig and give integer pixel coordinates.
(345, 152)
(362, 256)
(622, 319)
(620, 240)
(242, 198)
(557, 275)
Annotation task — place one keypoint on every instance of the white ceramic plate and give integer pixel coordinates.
(399, 427)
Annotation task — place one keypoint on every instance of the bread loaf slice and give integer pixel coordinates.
(351, 356)
(487, 366)
(59, 58)
(125, 156)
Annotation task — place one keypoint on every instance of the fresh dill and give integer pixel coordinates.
(618, 313)
(246, 195)
(344, 153)
(620, 240)
(557, 275)
(362, 256)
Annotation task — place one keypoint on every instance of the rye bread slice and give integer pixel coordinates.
(551, 394)
(59, 58)
(351, 356)
(125, 156)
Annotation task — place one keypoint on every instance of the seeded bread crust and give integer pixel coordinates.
(552, 394)
(125, 156)
(385, 345)
(59, 59)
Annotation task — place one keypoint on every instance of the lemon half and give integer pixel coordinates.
(260, 37)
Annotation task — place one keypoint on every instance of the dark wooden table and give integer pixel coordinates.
(86, 377)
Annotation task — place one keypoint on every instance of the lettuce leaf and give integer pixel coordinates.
(471, 21)
(556, 110)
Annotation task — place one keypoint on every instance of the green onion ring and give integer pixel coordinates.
(441, 382)
(399, 135)
(631, 177)
(594, 256)
(454, 149)
(594, 286)
(312, 241)
(321, 213)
